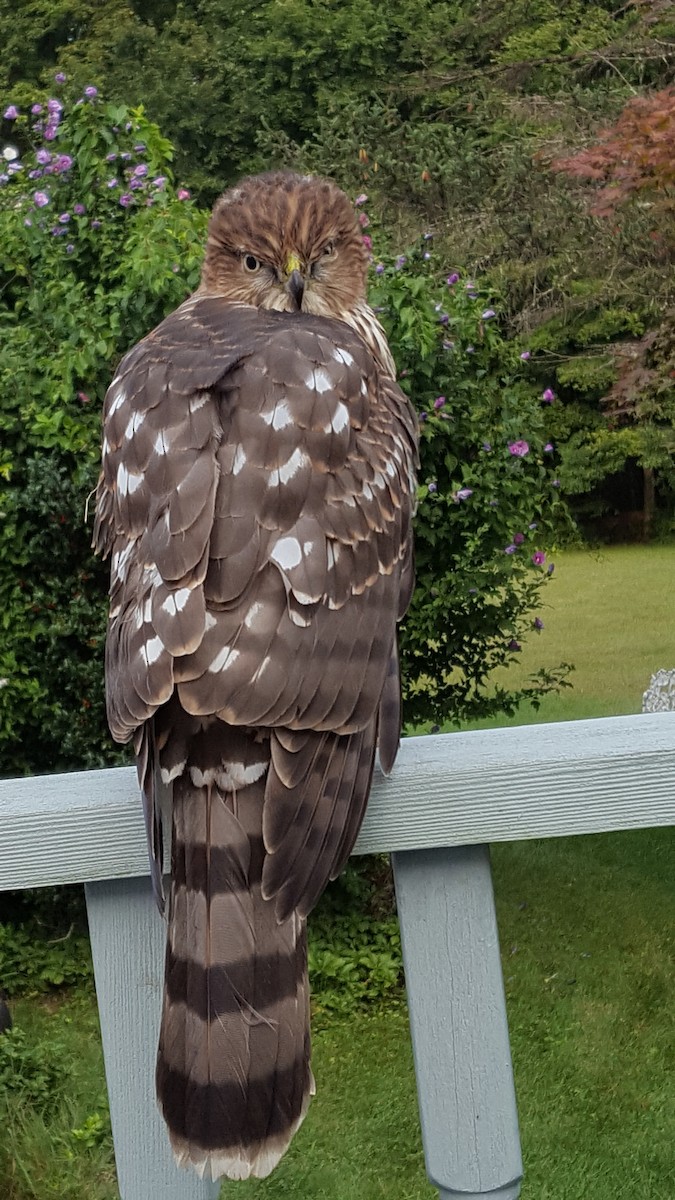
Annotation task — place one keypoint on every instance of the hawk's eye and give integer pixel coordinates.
(328, 249)
(250, 262)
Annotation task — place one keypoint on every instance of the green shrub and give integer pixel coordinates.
(36, 1072)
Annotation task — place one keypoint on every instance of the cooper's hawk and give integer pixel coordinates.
(257, 488)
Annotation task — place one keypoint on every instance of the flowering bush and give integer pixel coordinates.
(96, 246)
(490, 507)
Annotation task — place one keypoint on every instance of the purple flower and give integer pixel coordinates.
(360, 199)
(96, 224)
(551, 568)
(35, 109)
(555, 483)
(54, 108)
(487, 446)
(11, 113)
(40, 199)
(60, 77)
(139, 147)
(159, 181)
(423, 416)
(91, 92)
(539, 558)
(50, 133)
(140, 170)
(379, 270)
(125, 155)
(126, 200)
(400, 261)
(548, 396)
(79, 210)
(464, 493)
(448, 345)
(69, 248)
(64, 218)
(368, 242)
(27, 221)
(452, 279)
(135, 184)
(514, 645)
(433, 487)
(36, 174)
(519, 449)
(507, 549)
(443, 319)
(538, 623)
(519, 538)
(525, 355)
(43, 157)
(183, 194)
(548, 448)
(533, 525)
(489, 312)
(63, 163)
(111, 157)
(426, 237)
(470, 349)
(4, 178)
(364, 220)
(439, 402)
(111, 183)
(470, 285)
(426, 255)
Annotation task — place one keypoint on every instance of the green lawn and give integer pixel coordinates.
(610, 613)
(587, 931)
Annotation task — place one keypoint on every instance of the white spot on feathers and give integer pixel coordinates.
(280, 416)
(289, 469)
(263, 667)
(120, 561)
(133, 425)
(210, 621)
(235, 775)
(160, 446)
(343, 356)
(117, 395)
(340, 419)
(152, 651)
(253, 612)
(126, 481)
(175, 602)
(239, 460)
(172, 773)
(320, 380)
(225, 658)
(287, 553)
(198, 401)
(333, 552)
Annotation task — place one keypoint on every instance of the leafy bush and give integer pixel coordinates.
(36, 1072)
(31, 964)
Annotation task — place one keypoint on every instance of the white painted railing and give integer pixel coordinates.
(449, 796)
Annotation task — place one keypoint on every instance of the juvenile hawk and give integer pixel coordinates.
(256, 493)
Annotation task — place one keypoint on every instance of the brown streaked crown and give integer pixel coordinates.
(278, 218)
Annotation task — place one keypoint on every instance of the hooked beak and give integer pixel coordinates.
(295, 286)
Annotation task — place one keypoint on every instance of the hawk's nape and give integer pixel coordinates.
(256, 496)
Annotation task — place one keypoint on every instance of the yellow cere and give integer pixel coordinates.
(293, 264)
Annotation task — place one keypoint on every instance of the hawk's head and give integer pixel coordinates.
(287, 242)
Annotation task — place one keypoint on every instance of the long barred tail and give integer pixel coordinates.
(233, 1073)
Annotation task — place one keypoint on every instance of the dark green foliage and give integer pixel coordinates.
(37, 1073)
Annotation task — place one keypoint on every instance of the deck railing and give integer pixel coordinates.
(448, 798)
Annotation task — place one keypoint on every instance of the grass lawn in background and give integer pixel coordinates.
(587, 933)
(610, 613)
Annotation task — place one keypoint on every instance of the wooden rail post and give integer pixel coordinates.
(458, 1022)
(127, 942)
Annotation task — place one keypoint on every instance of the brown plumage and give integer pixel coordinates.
(256, 494)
